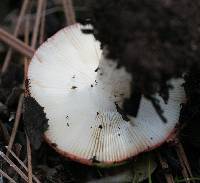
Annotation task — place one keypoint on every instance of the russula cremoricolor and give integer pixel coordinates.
(82, 94)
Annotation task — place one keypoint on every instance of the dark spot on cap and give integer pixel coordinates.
(94, 160)
(100, 126)
(101, 74)
(151, 138)
(91, 85)
(96, 69)
(73, 76)
(54, 144)
(67, 124)
(91, 127)
(74, 87)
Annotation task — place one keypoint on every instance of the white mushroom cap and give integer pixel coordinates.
(80, 101)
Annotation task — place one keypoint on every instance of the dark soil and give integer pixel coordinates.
(155, 40)
(154, 57)
(35, 121)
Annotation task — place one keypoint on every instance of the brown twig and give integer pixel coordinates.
(37, 23)
(6, 176)
(26, 62)
(26, 40)
(164, 165)
(15, 34)
(14, 166)
(186, 170)
(16, 124)
(22, 164)
(69, 12)
(30, 175)
(42, 27)
(16, 43)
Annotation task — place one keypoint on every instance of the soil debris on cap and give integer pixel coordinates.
(54, 144)
(96, 69)
(131, 105)
(35, 121)
(94, 160)
(153, 40)
(120, 111)
(73, 87)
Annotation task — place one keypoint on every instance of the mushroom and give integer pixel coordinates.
(82, 93)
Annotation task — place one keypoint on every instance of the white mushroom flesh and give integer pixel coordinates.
(79, 90)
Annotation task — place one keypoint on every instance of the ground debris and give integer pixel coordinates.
(35, 121)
